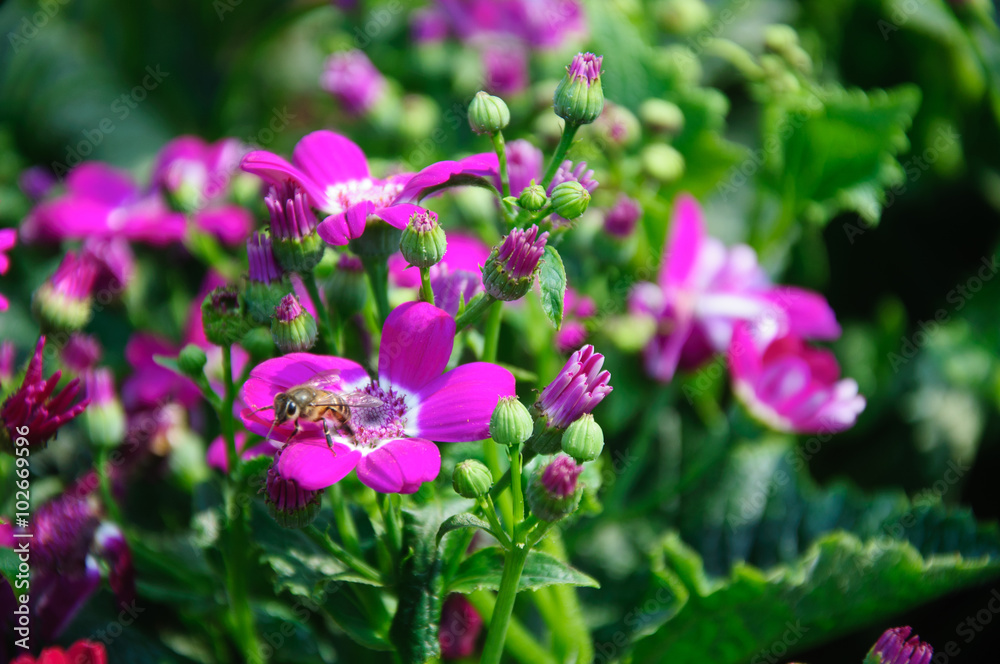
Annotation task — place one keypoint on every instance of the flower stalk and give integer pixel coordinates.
(327, 332)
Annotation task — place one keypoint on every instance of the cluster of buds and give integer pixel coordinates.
(292, 327)
(575, 392)
(510, 268)
(64, 301)
(296, 244)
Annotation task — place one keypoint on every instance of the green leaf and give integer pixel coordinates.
(482, 571)
(463, 520)
(458, 180)
(552, 282)
(414, 629)
(8, 565)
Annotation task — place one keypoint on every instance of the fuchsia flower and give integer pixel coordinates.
(577, 390)
(536, 23)
(36, 406)
(391, 448)
(790, 386)
(8, 238)
(199, 175)
(460, 627)
(458, 274)
(524, 164)
(81, 652)
(894, 648)
(506, 67)
(704, 289)
(353, 81)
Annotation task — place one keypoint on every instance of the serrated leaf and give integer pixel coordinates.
(552, 284)
(463, 520)
(482, 571)
(414, 629)
(457, 180)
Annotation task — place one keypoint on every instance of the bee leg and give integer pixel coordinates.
(329, 437)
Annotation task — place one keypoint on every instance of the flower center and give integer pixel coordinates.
(343, 195)
(373, 425)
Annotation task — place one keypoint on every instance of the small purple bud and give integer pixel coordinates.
(353, 81)
(568, 172)
(577, 390)
(620, 220)
(510, 269)
(81, 352)
(63, 302)
(559, 478)
(292, 217)
(288, 309)
(586, 67)
(554, 492)
(292, 327)
(263, 267)
(895, 646)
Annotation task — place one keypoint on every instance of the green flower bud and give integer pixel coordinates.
(570, 199)
(662, 162)
(533, 197)
(488, 114)
(222, 316)
(472, 479)
(347, 288)
(681, 17)
(104, 417)
(553, 491)
(579, 98)
(192, 360)
(423, 242)
(583, 439)
(380, 240)
(511, 422)
(292, 327)
(662, 116)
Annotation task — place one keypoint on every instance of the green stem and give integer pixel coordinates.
(491, 339)
(392, 531)
(498, 145)
(327, 332)
(490, 511)
(557, 157)
(104, 477)
(520, 643)
(345, 523)
(514, 561)
(474, 311)
(226, 411)
(505, 479)
(341, 555)
(426, 292)
(377, 269)
(537, 219)
(516, 532)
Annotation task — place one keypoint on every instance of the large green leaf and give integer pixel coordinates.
(414, 629)
(552, 284)
(482, 571)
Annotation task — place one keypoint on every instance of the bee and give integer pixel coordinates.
(319, 400)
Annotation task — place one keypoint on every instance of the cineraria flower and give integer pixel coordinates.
(391, 444)
(790, 386)
(536, 23)
(115, 265)
(506, 68)
(34, 411)
(510, 268)
(353, 81)
(457, 276)
(81, 352)
(198, 175)
(333, 171)
(894, 648)
(577, 309)
(460, 627)
(577, 390)
(81, 652)
(704, 289)
(8, 237)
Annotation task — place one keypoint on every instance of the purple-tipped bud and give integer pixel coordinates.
(895, 646)
(222, 316)
(577, 390)
(288, 503)
(81, 353)
(353, 81)
(459, 629)
(510, 269)
(266, 282)
(105, 415)
(292, 327)
(620, 220)
(35, 412)
(579, 98)
(296, 244)
(263, 266)
(423, 242)
(569, 172)
(586, 67)
(63, 302)
(554, 491)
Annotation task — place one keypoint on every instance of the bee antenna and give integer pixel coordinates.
(257, 410)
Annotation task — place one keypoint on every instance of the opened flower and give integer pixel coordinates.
(391, 443)
(792, 387)
(704, 289)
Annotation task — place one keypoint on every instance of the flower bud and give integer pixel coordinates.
(554, 491)
(662, 162)
(618, 126)
(105, 415)
(681, 17)
(378, 242)
(511, 422)
(347, 288)
(266, 282)
(570, 199)
(579, 98)
(472, 479)
(63, 302)
(533, 197)
(896, 646)
(423, 242)
(290, 505)
(296, 244)
(662, 116)
(292, 327)
(488, 114)
(192, 360)
(620, 220)
(222, 316)
(584, 439)
(510, 268)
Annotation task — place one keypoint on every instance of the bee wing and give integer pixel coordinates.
(324, 380)
(356, 399)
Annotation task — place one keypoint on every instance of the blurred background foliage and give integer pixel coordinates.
(887, 202)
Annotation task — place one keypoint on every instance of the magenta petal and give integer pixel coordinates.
(744, 358)
(275, 170)
(456, 407)
(8, 237)
(4, 303)
(101, 182)
(280, 373)
(482, 165)
(809, 314)
(416, 344)
(70, 218)
(398, 215)
(400, 466)
(339, 229)
(330, 158)
(687, 230)
(316, 467)
(231, 223)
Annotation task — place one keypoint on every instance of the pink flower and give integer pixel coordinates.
(199, 174)
(790, 386)
(457, 275)
(391, 447)
(506, 67)
(537, 23)
(576, 391)
(704, 289)
(353, 81)
(8, 238)
(893, 647)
